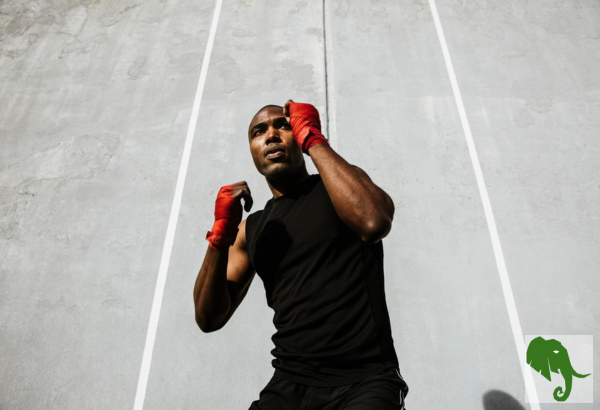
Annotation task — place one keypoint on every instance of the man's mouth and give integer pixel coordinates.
(274, 152)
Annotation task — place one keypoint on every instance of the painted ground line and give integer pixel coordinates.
(176, 205)
(330, 107)
(511, 307)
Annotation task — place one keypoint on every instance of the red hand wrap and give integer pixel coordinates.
(306, 125)
(228, 215)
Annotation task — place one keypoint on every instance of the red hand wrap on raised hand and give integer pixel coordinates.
(306, 125)
(228, 215)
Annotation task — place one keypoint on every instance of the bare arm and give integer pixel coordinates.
(222, 283)
(367, 209)
(363, 206)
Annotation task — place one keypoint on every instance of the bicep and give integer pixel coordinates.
(240, 271)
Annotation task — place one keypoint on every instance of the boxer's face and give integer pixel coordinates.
(269, 130)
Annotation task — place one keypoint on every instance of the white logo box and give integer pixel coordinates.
(581, 351)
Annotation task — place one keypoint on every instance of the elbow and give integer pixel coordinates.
(202, 324)
(206, 328)
(376, 231)
(205, 325)
(380, 224)
(210, 317)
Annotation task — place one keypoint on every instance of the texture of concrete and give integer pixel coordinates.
(96, 100)
(95, 105)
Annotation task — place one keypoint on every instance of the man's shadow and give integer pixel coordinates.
(499, 400)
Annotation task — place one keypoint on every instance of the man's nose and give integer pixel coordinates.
(273, 133)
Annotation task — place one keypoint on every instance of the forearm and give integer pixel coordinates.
(361, 204)
(211, 294)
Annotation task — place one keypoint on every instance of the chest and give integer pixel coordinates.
(294, 234)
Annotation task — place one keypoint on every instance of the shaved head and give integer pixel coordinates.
(269, 106)
(265, 112)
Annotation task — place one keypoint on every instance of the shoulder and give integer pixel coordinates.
(248, 224)
(240, 239)
(243, 228)
(254, 216)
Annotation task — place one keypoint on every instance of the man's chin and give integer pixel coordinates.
(279, 171)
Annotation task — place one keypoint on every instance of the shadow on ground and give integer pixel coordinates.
(498, 400)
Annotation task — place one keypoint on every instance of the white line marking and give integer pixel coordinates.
(170, 236)
(330, 99)
(487, 206)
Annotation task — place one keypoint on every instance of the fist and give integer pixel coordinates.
(306, 124)
(228, 214)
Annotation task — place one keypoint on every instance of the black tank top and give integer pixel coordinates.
(326, 287)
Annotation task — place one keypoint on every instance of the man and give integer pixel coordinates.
(317, 247)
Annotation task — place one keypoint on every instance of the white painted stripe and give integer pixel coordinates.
(500, 263)
(329, 79)
(170, 236)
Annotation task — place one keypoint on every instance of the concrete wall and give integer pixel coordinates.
(96, 99)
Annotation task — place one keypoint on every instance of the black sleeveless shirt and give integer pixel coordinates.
(326, 287)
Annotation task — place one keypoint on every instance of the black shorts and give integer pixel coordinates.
(384, 391)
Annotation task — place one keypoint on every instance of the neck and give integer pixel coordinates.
(282, 186)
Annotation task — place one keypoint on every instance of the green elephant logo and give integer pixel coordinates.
(545, 356)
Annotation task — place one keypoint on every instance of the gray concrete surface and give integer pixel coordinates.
(96, 99)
